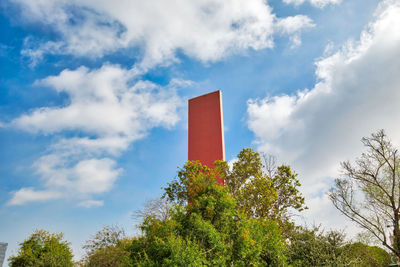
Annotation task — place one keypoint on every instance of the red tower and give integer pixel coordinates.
(206, 129)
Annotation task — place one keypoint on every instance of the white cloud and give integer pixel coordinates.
(106, 103)
(293, 26)
(107, 110)
(322, 212)
(316, 3)
(91, 203)
(112, 145)
(356, 94)
(25, 195)
(65, 177)
(294, 2)
(87, 176)
(204, 30)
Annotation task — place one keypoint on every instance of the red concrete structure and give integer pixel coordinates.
(206, 129)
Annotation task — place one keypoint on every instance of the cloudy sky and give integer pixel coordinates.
(93, 98)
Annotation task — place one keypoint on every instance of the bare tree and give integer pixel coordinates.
(157, 208)
(270, 165)
(108, 236)
(369, 191)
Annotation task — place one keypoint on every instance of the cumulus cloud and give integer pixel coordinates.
(357, 93)
(107, 109)
(105, 103)
(293, 26)
(25, 195)
(64, 176)
(204, 30)
(316, 3)
(89, 176)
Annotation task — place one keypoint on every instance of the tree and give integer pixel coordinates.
(43, 249)
(261, 191)
(210, 231)
(158, 208)
(247, 182)
(369, 191)
(108, 248)
(367, 256)
(314, 247)
(264, 190)
(286, 185)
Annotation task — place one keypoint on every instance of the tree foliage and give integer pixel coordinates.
(210, 231)
(261, 190)
(108, 248)
(314, 247)
(368, 256)
(43, 249)
(264, 190)
(369, 191)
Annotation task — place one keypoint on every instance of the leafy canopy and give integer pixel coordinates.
(43, 249)
(260, 190)
(314, 247)
(210, 231)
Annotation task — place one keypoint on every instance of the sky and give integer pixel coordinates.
(93, 99)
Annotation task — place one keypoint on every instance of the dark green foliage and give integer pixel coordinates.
(43, 249)
(210, 231)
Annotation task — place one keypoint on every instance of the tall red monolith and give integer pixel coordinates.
(206, 129)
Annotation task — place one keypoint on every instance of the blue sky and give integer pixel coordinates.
(93, 98)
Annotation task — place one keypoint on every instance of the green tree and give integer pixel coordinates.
(367, 256)
(313, 247)
(43, 249)
(261, 190)
(108, 248)
(369, 191)
(209, 231)
(247, 182)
